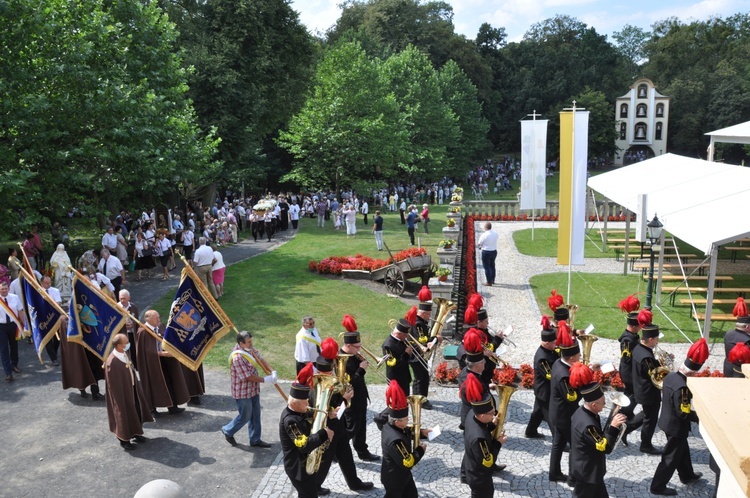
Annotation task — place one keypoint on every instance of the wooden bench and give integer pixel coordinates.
(674, 290)
(703, 300)
(734, 250)
(719, 279)
(716, 317)
(637, 250)
(644, 266)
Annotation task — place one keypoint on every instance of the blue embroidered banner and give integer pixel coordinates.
(196, 322)
(94, 318)
(45, 315)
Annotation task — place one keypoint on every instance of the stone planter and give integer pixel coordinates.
(447, 256)
(451, 232)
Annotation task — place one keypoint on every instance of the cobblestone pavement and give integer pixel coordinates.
(437, 474)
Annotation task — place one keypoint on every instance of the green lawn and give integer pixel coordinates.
(268, 295)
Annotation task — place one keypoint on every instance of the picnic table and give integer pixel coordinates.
(735, 249)
(674, 290)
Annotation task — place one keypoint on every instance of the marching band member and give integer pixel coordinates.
(741, 333)
(356, 367)
(480, 447)
(646, 393)
(470, 321)
(419, 318)
(590, 444)
(563, 400)
(544, 358)
(397, 365)
(398, 455)
(738, 356)
(475, 361)
(675, 419)
(295, 437)
(629, 339)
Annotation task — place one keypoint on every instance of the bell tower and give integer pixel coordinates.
(641, 117)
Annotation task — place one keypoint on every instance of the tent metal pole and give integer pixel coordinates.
(710, 293)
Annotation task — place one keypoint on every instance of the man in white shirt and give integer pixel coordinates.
(365, 209)
(54, 343)
(202, 262)
(109, 240)
(112, 269)
(294, 213)
(488, 245)
(307, 348)
(11, 318)
(188, 244)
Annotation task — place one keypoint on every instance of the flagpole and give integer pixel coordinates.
(26, 260)
(42, 292)
(210, 296)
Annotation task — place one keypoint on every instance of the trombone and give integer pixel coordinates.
(494, 357)
(505, 337)
(378, 360)
(415, 345)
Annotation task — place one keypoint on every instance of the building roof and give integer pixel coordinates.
(737, 134)
(699, 202)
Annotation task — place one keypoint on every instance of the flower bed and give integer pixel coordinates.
(334, 265)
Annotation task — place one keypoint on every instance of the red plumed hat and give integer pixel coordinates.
(580, 375)
(476, 301)
(349, 324)
(396, 400)
(740, 354)
(470, 315)
(645, 317)
(473, 389)
(697, 354)
(546, 324)
(740, 309)
(629, 304)
(411, 316)
(473, 341)
(424, 294)
(555, 300)
(329, 349)
(305, 376)
(564, 338)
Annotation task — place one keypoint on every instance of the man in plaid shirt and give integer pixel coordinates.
(245, 363)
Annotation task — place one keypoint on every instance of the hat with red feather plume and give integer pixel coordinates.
(645, 317)
(351, 336)
(582, 379)
(697, 355)
(473, 346)
(548, 329)
(630, 305)
(476, 395)
(740, 309)
(555, 300)
(470, 315)
(565, 341)
(329, 350)
(396, 400)
(476, 300)
(411, 316)
(301, 386)
(424, 294)
(738, 356)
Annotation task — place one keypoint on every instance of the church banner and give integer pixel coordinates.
(45, 315)
(534, 164)
(574, 139)
(94, 318)
(196, 321)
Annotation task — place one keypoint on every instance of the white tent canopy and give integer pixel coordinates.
(700, 202)
(737, 134)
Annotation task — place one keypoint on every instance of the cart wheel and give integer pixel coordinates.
(394, 280)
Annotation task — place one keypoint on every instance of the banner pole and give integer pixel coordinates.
(533, 184)
(572, 199)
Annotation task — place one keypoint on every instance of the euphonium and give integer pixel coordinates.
(415, 403)
(619, 400)
(587, 341)
(666, 364)
(341, 374)
(445, 307)
(324, 388)
(503, 398)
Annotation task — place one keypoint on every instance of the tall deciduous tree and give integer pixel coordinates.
(350, 127)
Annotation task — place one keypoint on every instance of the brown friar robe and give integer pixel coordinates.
(80, 368)
(126, 416)
(156, 371)
(194, 380)
(133, 310)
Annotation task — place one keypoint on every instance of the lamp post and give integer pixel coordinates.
(653, 233)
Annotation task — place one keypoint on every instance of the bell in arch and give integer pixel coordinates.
(640, 133)
(641, 111)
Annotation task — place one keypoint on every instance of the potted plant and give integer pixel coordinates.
(451, 222)
(442, 274)
(447, 243)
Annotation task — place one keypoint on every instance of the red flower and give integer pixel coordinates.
(527, 380)
(312, 266)
(616, 382)
(526, 369)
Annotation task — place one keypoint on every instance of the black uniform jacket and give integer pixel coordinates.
(543, 361)
(676, 411)
(628, 342)
(398, 366)
(589, 447)
(398, 457)
(421, 332)
(297, 442)
(465, 405)
(489, 365)
(646, 393)
(731, 338)
(564, 399)
(479, 457)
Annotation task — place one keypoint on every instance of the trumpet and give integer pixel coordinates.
(619, 400)
(494, 357)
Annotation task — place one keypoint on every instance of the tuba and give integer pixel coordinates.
(445, 307)
(666, 365)
(587, 341)
(341, 374)
(325, 385)
(503, 394)
(619, 400)
(415, 403)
